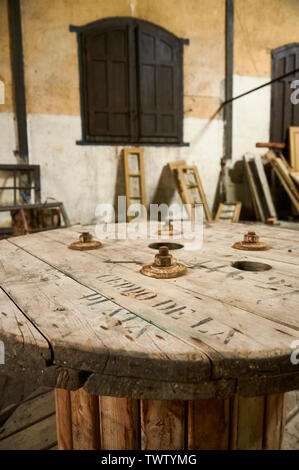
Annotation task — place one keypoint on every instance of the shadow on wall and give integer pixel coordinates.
(165, 188)
(120, 189)
(238, 189)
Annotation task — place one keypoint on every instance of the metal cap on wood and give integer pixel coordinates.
(251, 243)
(164, 267)
(85, 243)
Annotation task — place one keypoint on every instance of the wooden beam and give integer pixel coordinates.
(229, 66)
(16, 48)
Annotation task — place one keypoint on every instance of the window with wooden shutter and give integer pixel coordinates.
(283, 113)
(131, 83)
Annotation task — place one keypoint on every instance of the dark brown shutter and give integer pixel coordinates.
(132, 81)
(283, 112)
(107, 79)
(160, 85)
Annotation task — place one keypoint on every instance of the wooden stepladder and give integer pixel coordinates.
(228, 211)
(189, 186)
(134, 177)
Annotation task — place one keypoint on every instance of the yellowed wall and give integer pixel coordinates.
(51, 59)
(50, 50)
(5, 69)
(262, 25)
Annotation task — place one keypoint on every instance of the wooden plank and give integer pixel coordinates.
(162, 424)
(85, 421)
(28, 413)
(275, 414)
(63, 419)
(18, 330)
(229, 74)
(119, 423)
(116, 386)
(253, 189)
(39, 436)
(173, 170)
(249, 422)
(208, 424)
(286, 181)
(294, 147)
(265, 187)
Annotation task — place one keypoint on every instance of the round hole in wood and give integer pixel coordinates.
(251, 266)
(170, 246)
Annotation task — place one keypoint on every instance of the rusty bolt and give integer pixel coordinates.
(85, 237)
(163, 258)
(251, 237)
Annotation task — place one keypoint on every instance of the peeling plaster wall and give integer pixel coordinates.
(251, 115)
(84, 176)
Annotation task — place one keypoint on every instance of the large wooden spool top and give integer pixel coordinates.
(70, 319)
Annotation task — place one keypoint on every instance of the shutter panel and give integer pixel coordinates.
(283, 112)
(159, 61)
(107, 69)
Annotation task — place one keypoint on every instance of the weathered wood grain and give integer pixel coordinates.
(108, 385)
(275, 414)
(162, 424)
(208, 424)
(243, 336)
(104, 317)
(248, 423)
(20, 337)
(39, 436)
(28, 413)
(119, 423)
(78, 321)
(63, 419)
(85, 421)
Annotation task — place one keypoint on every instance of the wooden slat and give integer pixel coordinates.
(162, 424)
(208, 424)
(39, 436)
(20, 335)
(274, 421)
(85, 421)
(294, 147)
(28, 413)
(265, 187)
(247, 423)
(119, 423)
(253, 189)
(63, 419)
